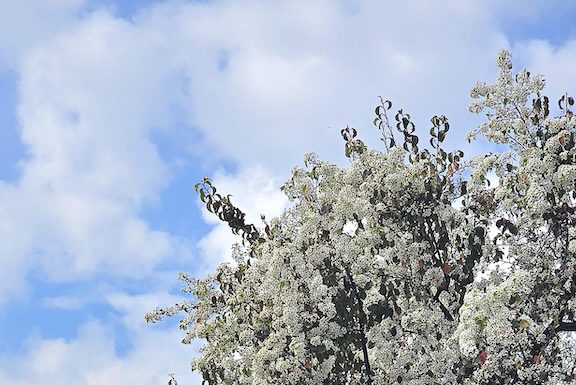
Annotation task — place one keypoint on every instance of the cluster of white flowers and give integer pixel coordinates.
(373, 275)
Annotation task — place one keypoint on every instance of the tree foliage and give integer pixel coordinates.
(410, 266)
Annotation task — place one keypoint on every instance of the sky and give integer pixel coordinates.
(111, 111)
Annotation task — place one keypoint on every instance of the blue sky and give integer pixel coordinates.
(110, 111)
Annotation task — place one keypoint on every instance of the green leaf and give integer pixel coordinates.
(441, 135)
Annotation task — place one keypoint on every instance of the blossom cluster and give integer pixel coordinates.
(375, 275)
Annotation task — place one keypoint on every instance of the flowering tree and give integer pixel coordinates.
(409, 266)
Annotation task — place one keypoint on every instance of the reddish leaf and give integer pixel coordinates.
(483, 356)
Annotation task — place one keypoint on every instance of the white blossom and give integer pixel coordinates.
(375, 276)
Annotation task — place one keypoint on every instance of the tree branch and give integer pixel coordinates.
(362, 327)
(566, 327)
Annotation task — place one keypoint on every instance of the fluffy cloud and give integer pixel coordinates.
(92, 357)
(89, 103)
(27, 23)
(292, 79)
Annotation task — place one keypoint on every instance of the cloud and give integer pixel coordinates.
(28, 23)
(147, 294)
(133, 307)
(89, 103)
(292, 79)
(92, 358)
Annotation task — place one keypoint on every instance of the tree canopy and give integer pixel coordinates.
(410, 266)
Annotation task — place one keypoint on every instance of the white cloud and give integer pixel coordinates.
(82, 297)
(88, 104)
(294, 78)
(91, 358)
(27, 23)
(133, 307)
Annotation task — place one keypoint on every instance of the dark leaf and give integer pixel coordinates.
(441, 135)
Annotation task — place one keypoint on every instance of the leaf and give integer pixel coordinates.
(442, 154)
(412, 127)
(479, 231)
(405, 122)
(512, 228)
(483, 356)
(537, 104)
(441, 135)
(538, 358)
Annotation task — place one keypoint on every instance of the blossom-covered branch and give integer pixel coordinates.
(409, 266)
